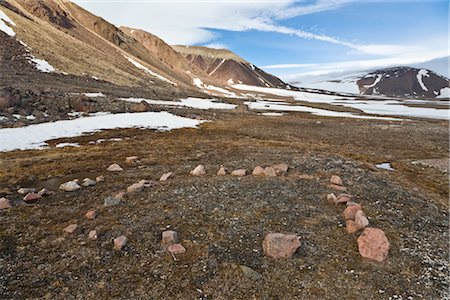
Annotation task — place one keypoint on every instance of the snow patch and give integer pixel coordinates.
(62, 145)
(385, 166)
(188, 102)
(94, 95)
(379, 76)
(139, 66)
(230, 81)
(42, 65)
(444, 93)
(420, 74)
(4, 27)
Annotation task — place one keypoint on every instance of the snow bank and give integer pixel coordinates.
(34, 136)
(379, 76)
(188, 102)
(4, 27)
(444, 93)
(420, 74)
(42, 65)
(139, 66)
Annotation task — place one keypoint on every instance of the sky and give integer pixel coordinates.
(296, 39)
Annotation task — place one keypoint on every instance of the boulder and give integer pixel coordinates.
(69, 186)
(281, 168)
(331, 198)
(176, 249)
(351, 226)
(343, 198)
(258, 171)
(336, 180)
(350, 211)
(88, 182)
(165, 176)
(100, 178)
(92, 234)
(120, 195)
(4, 203)
(135, 188)
(131, 160)
(111, 201)
(361, 219)
(120, 242)
(278, 245)
(114, 168)
(32, 197)
(222, 171)
(72, 228)
(270, 172)
(91, 215)
(24, 191)
(199, 170)
(373, 244)
(239, 172)
(45, 192)
(141, 107)
(169, 237)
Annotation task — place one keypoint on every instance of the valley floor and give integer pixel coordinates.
(222, 220)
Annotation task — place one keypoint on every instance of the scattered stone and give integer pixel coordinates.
(281, 168)
(343, 198)
(331, 198)
(169, 237)
(92, 234)
(131, 160)
(120, 195)
(278, 245)
(222, 171)
(336, 180)
(135, 188)
(45, 192)
(31, 197)
(350, 211)
(120, 242)
(337, 187)
(369, 166)
(165, 176)
(100, 178)
(250, 273)
(361, 219)
(111, 201)
(69, 186)
(92, 214)
(351, 226)
(24, 191)
(4, 203)
(114, 168)
(88, 182)
(239, 172)
(270, 172)
(176, 249)
(306, 177)
(258, 171)
(373, 244)
(199, 170)
(71, 228)
(145, 183)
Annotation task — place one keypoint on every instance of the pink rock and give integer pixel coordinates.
(239, 172)
(350, 211)
(199, 170)
(222, 171)
(351, 226)
(270, 172)
(120, 195)
(373, 244)
(278, 245)
(92, 234)
(281, 168)
(71, 228)
(343, 198)
(258, 171)
(135, 187)
(131, 160)
(169, 237)
(337, 187)
(4, 203)
(100, 178)
(331, 198)
(92, 214)
(176, 249)
(120, 242)
(361, 219)
(165, 176)
(114, 168)
(336, 180)
(31, 197)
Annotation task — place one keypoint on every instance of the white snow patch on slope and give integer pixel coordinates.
(444, 93)
(139, 66)
(34, 136)
(207, 88)
(94, 95)
(42, 65)
(420, 74)
(218, 66)
(5, 28)
(62, 145)
(188, 102)
(379, 76)
(230, 81)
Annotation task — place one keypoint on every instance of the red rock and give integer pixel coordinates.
(350, 211)
(270, 172)
(278, 245)
(331, 198)
(165, 176)
(336, 180)
(120, 242)
(176, 249)
(135, 188)
(71, 228)
(258, 171)
(351, 226)
(115, 168)
(169, 237)
(92, 234)
(92, 214)
(361, 219)
(31, 197)
(343, 198)
(239, 172)
(4, 203)
(222, 171)
(199, 170)
(281, 168)
(337, 187)
(373, 244)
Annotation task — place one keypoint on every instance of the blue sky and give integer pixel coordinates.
(289, 38)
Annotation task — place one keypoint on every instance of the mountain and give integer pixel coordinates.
(228, 67)
(403, 82)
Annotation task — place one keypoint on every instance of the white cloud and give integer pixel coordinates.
(216, 46)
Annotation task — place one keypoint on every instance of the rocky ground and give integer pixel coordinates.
(222, 220)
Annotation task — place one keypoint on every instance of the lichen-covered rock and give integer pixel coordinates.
(373, 244)
(279, 245)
